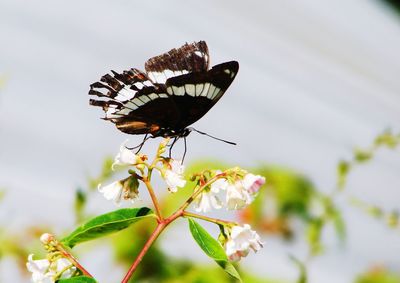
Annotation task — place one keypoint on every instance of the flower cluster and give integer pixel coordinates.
(52, 268)
(239, 192)
(128, 189)
(45, 271)
(237, 188)
(240, 240)
(232, 189)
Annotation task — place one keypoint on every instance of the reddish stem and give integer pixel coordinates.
(163, 223)
(154, 199)
(74, 261)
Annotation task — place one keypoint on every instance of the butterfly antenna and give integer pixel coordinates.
(203, 133)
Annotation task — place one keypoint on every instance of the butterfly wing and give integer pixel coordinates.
(133, 103)
(189, 58)
(196, 93)
(177, 90)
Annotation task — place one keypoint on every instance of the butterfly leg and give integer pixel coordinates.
(184, 153)
(139, 145)
(171, 146)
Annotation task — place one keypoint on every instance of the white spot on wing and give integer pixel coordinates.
(123, 111)
(161, 77)
(144, 98)
(178, 90)
(170, 91)
(163, 95)
(210, 91)
(131, 105)
(190, 89)
(137, 102)
(147, 83)
(110, 113)
(157, 77)
(139, 85)
(199, 89)
(205, 89)
(153, 96)
(215, 93)
(198, 53)
(168, 73)
(227, 71)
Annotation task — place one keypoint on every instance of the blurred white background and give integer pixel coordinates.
(316, 78)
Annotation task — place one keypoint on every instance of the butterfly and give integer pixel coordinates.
(176, 89)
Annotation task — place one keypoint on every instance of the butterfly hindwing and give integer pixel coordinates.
(189, 58)
(132, 102)
(118, 89)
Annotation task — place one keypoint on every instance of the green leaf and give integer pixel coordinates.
(77, 279)
(361, 155)
(106, 224)
(343, 169)
(302, 270)
(212, 248)
(313, 234)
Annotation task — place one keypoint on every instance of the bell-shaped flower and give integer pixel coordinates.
(121, 190)
(112, 191)
(40, 270)
(237, 197)
(242, 192)
(240, 240)
(44, 271)
(125, 156)
(206, 201)
(173, 175)
(253, 183)
(209, 199)
(219, 185)
(65, 266)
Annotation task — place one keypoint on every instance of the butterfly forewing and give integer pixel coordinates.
(196, 93)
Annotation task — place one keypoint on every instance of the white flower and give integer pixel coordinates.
(120, 190)
(206, 201)
(240, 241)
(242, 192)
(237, 197)
(253, 183)
(61, 264)
(45, 272)
(39, 269)
(219, 184)
(112, 191)
(209, 199)
(125, 156)
(174, 175)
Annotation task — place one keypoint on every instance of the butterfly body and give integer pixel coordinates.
(176, 90)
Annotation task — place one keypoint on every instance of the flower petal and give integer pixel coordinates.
(112, 191)
(125, 156)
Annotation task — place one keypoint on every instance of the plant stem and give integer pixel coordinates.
(74, 261)
(206, 218)
(154, 199)
(160, 227)
(197, 192)
(163, 223)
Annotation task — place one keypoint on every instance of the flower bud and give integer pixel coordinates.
(46, 238)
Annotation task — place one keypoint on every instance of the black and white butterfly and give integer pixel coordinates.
(176, 90)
